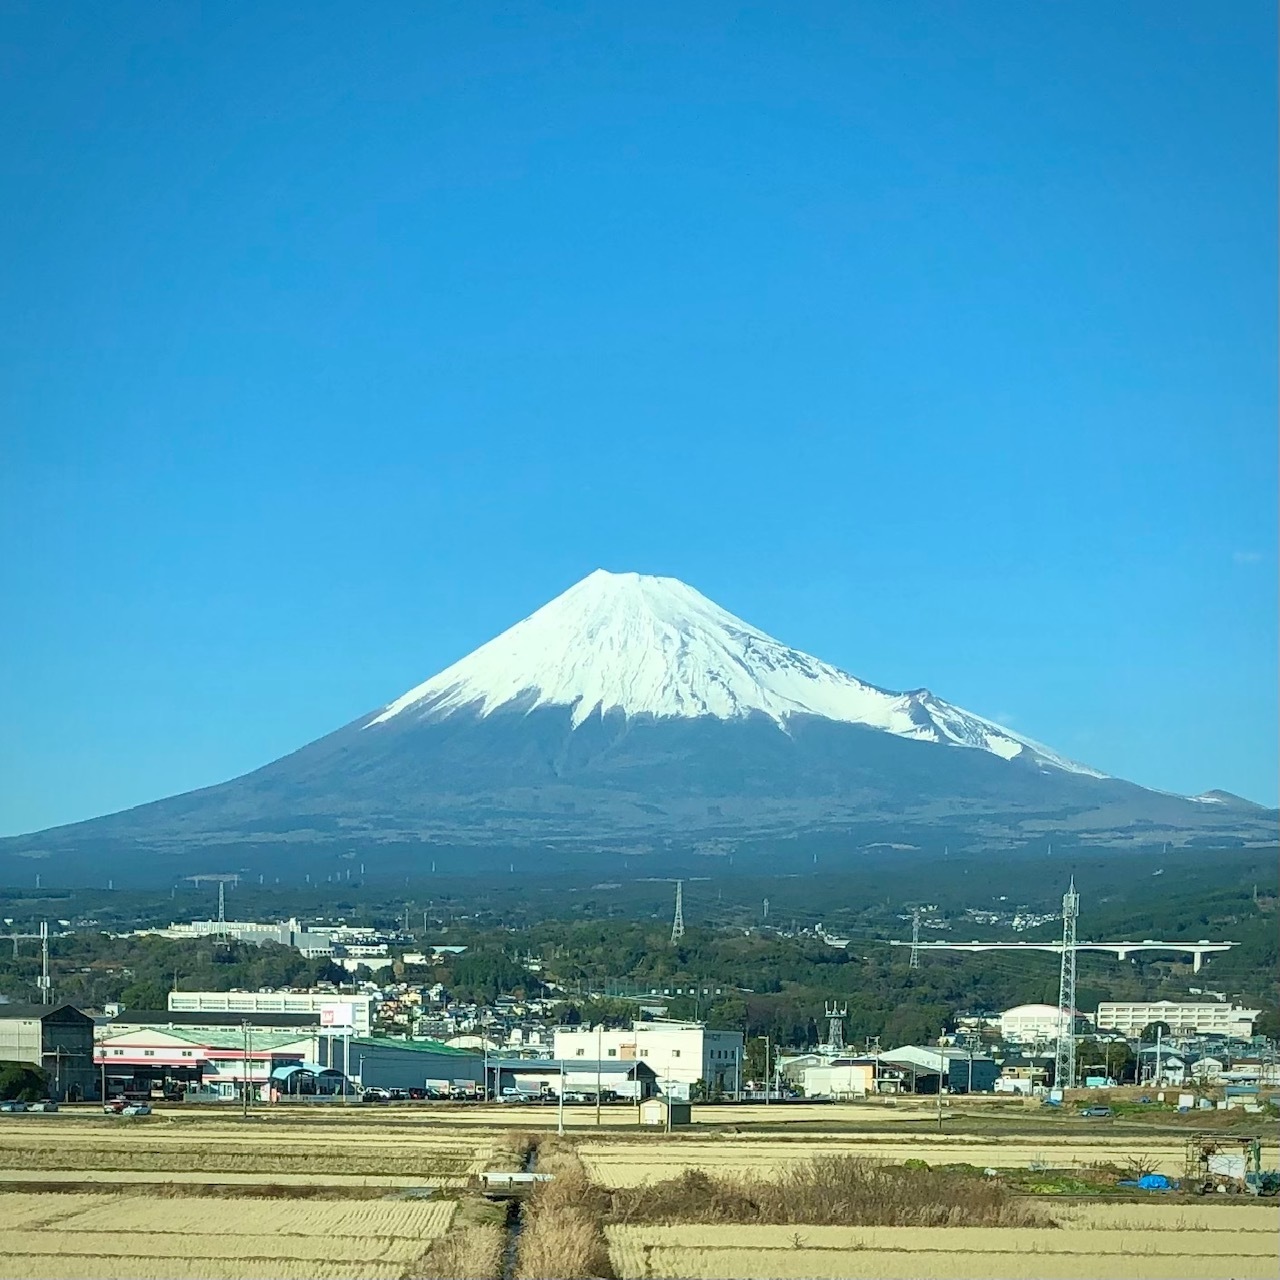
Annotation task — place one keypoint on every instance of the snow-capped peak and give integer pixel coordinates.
(650, 646)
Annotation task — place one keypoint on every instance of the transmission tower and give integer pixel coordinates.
(677, 925)
(1064, 1062)
(222, 910)
(915, 939)
(835, 1025)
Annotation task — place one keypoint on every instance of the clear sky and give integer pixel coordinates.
(936, 339)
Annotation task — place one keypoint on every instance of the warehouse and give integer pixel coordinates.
(58, 1040)
(383, 1063)
(634, 1081)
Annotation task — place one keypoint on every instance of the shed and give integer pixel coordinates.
(653, 1111)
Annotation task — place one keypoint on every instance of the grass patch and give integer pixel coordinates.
(830, 1190)
(563, 1221)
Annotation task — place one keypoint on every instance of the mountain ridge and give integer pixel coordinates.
(631, 714)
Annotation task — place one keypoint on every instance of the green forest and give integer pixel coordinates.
(751, 972)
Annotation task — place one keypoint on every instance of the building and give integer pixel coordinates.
(118, 1020)
(334, 1009)
(384, 1063)
(57, 1039)
(962, 1071)
(839, 1078)
(633, 1080)
(1030, 1024)
(1130, 1018)
(683, 1053)
(171, 1060)
(670, 1115)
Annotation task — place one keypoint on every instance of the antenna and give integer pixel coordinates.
(915, 939)
(677, 925)
(1064, 1061)
(46, 993)
(835, 1025)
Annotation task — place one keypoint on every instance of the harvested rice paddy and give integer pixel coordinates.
(1144, 1242)
(125, 1237)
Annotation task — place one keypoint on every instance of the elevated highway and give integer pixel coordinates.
(1121, 950)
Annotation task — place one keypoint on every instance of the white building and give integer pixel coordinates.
(1029, 1024)
(679, 1052)
(1181, 1019)
(840, 1078)
(339, 1010)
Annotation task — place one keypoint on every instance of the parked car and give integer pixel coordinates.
(13, 1106)
(375, 1095)
(136, 1109)
(114, 1106)
(398, 1095)
(1096, 1111)
(45, 1104)
(417, 1095)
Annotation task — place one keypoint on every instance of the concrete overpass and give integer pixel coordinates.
(1121, 950)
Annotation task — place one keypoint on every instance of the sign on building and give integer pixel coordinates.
(338, 1015)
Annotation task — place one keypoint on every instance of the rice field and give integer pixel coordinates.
(1110, 1242)
(190, 1149)
(124, 1237)
(627, 1164)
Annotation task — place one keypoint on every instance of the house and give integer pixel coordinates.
(58, 1039)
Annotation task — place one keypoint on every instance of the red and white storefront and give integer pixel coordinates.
(220, 1062)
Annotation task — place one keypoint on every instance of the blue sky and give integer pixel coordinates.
(936, 339)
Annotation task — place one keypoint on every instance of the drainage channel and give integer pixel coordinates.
(515, 1222)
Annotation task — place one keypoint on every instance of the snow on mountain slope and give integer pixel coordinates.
(654, 646)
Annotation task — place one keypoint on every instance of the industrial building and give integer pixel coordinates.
(633, 1080)
(1131, 1017)
(173, 1060)
(384, 1063)
(57, 1039)
(961, 1070)
(334, 1010)
(681, 1053)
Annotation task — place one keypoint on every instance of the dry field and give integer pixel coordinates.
(1110, 1242)
(218, 1149)
(627, 1164)
(125, 1237)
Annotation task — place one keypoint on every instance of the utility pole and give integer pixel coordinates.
(46, 989)
(599, 1051)
(942, 1068)
(244, 1028)
(766, 1068)
(915, 939)
(1064, 1063)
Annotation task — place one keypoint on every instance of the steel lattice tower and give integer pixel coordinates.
(915, 939)
(1064, 1061)
(677, 925)
(835, 1025)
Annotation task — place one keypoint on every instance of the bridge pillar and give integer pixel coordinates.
(1197, 959)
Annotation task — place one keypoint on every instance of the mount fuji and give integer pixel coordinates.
(633, 715)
